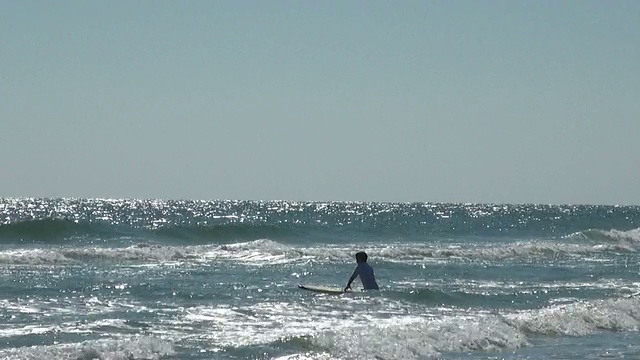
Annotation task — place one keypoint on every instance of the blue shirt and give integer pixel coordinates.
(365, 272)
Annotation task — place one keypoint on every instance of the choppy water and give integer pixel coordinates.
(134, 279)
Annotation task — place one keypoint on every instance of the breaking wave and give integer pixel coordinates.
(270, 251)
(122, 349)
(417, 252)
(631, 237)
(580, 318)
(414, 337)
(137, 253)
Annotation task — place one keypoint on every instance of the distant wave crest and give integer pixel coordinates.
(57, 230)
(268, 251)
(225, 232)
(265, 251)
(46, 230)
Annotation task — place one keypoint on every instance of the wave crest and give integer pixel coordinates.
(53, 230)
(226, 232)
(630, 237)
(137, 253)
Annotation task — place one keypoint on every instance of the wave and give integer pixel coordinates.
(580, 318)
(518, 250)
(377, 328)
(630, 237)
(419, 337)
(58, 230)
(416, 252)
(393, 253)
(52, 230)
(61, 256)
(121, 349)
(266, 251)
(221, 233)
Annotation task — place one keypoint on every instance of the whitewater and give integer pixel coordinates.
(164, 279)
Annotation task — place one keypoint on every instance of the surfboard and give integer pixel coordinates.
(322, 289)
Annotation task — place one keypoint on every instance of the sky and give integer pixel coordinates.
(429, 101)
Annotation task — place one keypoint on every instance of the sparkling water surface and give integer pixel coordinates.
(156, 279)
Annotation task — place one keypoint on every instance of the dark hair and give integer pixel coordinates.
(361, 256)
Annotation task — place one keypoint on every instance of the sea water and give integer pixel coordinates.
(155, 279)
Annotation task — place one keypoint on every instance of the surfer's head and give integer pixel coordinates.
(361, 257)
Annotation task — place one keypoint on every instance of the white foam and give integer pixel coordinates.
(261, 323)
(347, 328)
(268, 251)
(27, 330)
(580, 318)
(265, 252)
(56, 256)
(307, 356)
(122, 349)
(32, 257)
(415, 337)
(140, 252)
(257, 252)
(628, 238)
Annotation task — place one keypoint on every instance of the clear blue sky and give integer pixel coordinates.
(441, 101)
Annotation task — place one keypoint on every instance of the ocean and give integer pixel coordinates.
(157, 279)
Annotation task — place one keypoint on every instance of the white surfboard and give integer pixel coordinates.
(322, 289)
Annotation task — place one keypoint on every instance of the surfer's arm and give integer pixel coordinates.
(353, 277)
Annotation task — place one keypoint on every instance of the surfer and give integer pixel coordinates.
(365, 272)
